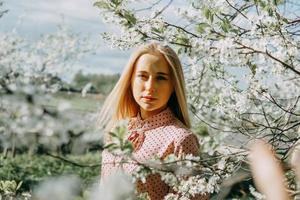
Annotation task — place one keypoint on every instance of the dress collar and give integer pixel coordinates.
(155, 121)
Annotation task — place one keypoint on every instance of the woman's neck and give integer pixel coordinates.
(146, 114)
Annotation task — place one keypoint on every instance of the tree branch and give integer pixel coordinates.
(71, 162)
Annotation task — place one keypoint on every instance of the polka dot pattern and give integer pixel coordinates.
(161, 135)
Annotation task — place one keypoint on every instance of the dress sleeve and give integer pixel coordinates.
(187, 145)
(109, 164)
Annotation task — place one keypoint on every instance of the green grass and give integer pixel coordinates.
(90, 103)
(31, 170)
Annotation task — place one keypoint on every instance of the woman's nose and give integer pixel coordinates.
(150, 85)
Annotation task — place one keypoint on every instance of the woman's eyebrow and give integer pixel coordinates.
(141, 71)
(162, 73)
(158, 73)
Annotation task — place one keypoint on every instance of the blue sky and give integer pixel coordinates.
(32, 18)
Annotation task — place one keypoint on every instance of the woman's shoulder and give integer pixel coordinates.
(184, 140)
(178, 130)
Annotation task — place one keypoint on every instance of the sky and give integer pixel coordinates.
(33, 18)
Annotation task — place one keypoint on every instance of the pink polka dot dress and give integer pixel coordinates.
(157, 137)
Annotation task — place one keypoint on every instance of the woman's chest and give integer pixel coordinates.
(155, 145)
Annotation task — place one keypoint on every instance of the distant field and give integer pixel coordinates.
(90, 103)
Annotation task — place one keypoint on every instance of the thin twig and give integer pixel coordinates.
(71, 162)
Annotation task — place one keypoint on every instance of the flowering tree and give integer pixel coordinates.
(241, 59)
(29, 77)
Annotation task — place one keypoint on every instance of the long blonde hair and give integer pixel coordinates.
(120, 103)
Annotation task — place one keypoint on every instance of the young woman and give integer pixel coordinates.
(151, 94)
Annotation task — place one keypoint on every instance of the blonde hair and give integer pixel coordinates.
(120, 103)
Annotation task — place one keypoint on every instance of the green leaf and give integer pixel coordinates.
(112, 134)
(201, 27)
(130, 17)
(207, 12)
(263, 4)
(285, 20)
(270, 11)
(211, 18)
(109, 146)
(278, 2)
(252, 67)
(117, 2)
(225, 25)
(156, 30)
(128, 145)
(102, 5)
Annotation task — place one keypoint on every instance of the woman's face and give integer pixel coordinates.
(151, 84)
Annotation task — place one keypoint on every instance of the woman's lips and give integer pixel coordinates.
(148, 98)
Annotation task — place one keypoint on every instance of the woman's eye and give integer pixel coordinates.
(161, 78)
(141, 76)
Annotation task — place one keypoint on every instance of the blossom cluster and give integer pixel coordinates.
(30, 114)
(241, 63)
